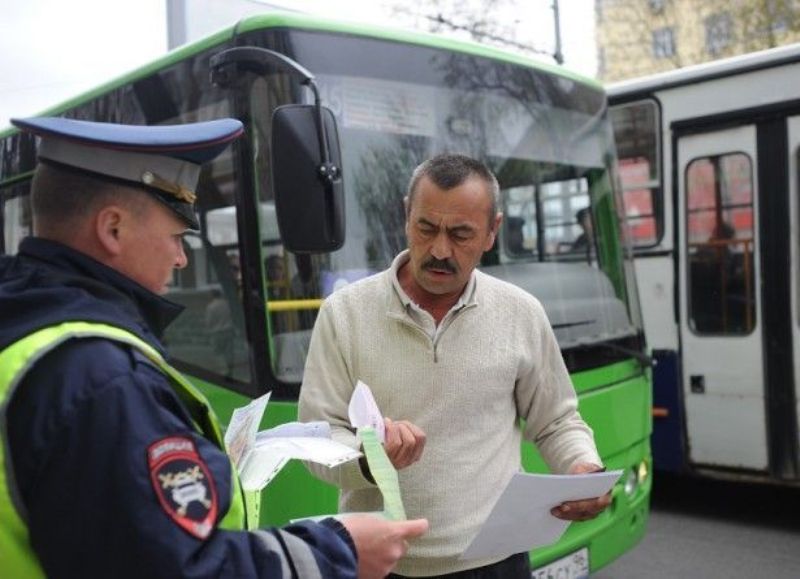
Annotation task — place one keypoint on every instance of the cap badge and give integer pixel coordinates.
(182, 193)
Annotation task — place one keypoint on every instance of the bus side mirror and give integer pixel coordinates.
(309, 193)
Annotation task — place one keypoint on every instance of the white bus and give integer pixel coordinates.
(708, 159)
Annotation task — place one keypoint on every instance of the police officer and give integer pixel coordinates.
(112, 463)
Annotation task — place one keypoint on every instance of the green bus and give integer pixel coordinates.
(275, 242)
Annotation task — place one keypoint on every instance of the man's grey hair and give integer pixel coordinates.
(451, 170)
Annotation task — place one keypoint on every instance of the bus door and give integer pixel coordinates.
(793, 158)
(722, 346)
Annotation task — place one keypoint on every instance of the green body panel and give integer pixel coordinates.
(615, 414)
(600, 377)
(619, 415)
(610, 250)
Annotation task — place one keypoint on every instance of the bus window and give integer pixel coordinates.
(568, 217)
(636, 134)
(210, 336)
(16, 215)
(719, 225)
(562, 204)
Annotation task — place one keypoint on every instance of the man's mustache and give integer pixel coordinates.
(440, 264)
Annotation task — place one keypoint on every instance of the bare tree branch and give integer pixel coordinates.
(480, 20)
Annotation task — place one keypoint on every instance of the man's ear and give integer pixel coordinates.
(498, 218)
(406, 208)
(108, 224)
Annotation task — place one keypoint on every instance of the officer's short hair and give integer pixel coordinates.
(60, 198)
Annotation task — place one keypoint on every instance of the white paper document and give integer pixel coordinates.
(314, 429)
(270, 455)
(260, 456)
(521, 519)
(363, 411)
(240, 436)
(366, 418)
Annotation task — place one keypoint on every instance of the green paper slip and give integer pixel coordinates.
(384, 474)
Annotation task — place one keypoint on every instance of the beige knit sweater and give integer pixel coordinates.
(494, 360)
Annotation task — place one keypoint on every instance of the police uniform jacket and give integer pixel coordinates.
(79, 427)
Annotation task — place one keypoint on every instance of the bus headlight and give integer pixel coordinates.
(631, 482)
(643, 471)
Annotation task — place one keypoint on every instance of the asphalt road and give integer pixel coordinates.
(707, 529)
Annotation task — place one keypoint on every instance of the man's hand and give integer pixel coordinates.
(380, 543)
(585, 509)
(404, 442)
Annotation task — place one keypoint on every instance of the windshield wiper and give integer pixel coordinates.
(573, 324)
(643, 359)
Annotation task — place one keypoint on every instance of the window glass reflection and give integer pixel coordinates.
(636, 136)
(719, 202)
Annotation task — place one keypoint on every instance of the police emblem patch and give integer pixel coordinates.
(183, 484)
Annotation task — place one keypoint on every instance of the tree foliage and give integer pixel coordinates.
(767, 23)
(638, 37)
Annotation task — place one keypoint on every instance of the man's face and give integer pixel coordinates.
(153, 246)
(448, 231)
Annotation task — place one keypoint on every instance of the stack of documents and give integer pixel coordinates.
(260, 456)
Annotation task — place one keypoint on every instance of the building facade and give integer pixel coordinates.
(640, 37)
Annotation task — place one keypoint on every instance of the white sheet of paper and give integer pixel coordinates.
(521, 519)
(270, 455)
(363, 411)
(256, 473)
(240, 436)
(315, 429)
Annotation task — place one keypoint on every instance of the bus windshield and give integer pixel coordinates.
(546, 137)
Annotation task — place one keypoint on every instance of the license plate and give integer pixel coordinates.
(573, 566)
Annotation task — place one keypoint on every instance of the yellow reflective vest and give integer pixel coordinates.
(17, 558)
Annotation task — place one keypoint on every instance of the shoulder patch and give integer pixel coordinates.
(183, 484)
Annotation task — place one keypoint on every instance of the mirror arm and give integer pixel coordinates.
(328, 172)
(226, 66)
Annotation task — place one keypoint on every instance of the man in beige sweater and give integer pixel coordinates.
(457, 357)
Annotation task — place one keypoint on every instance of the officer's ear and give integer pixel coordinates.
(109, 223)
